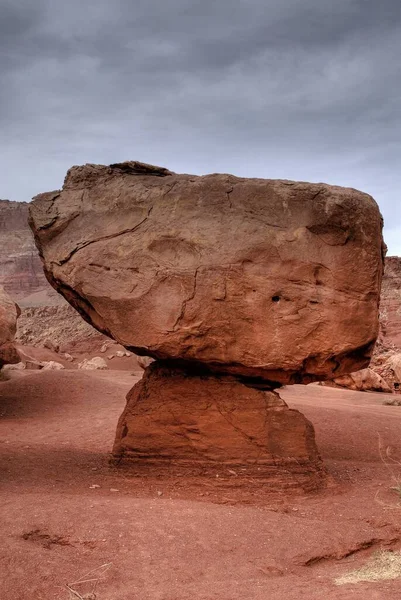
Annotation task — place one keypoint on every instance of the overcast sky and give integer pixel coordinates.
(294, 89)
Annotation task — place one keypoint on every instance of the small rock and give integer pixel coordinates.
(14, 367)
(114, 490)
(68, 356)
(95, 486)
(51, 365)
(104, 347)
(93, 364)
(110, 356)
(120, 353)
(160, 494)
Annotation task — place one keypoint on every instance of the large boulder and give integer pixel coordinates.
(277, 280)
(9, 313)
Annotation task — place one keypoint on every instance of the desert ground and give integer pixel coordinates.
(69, 515)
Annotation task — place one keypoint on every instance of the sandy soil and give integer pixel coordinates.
(66, 511)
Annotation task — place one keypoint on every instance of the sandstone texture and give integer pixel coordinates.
(9, 313)
(175, 419)
(275, 280)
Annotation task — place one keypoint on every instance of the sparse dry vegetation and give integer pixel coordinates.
(393, 466)
(382, 565)
(85, 587)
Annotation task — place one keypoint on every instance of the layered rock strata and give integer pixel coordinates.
(21, 272)
(267, 282)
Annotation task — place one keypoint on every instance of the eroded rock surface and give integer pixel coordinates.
(176, 419)
(272, 279)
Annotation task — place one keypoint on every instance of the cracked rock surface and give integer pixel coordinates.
(275, 280)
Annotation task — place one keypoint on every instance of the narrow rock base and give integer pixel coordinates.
(180, 422)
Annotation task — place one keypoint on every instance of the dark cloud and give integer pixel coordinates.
(301, 89)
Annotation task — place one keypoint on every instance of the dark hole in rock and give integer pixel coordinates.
(275, 298)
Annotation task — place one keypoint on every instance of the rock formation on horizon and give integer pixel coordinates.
(246, 283)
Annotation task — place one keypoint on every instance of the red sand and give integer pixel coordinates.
(184, 538)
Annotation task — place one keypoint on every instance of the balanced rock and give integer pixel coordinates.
(9, 312)
(278, 280)
(235, 286)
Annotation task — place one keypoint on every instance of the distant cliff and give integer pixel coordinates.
(21, 273)
(390, 303)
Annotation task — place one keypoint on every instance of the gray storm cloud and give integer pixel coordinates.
(297, 89)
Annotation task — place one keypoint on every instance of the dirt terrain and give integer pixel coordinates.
(66, 511)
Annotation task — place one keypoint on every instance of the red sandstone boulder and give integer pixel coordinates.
(9, 313)
(278, 280)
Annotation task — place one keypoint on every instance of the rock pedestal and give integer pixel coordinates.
(178, 419)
